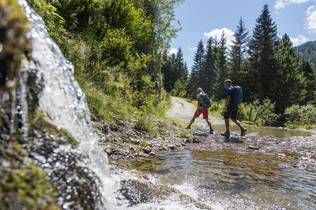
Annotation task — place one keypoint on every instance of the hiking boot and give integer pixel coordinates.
(212, 131)
(188, 127)
(226, 134)
(243, 132)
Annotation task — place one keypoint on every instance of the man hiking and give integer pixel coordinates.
(204, 103)
(234, 97)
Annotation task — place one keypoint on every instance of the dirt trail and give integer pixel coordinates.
(183, 110)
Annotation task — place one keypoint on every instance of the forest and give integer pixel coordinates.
(279, 84)
(117, 48)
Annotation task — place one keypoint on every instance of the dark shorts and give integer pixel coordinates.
(231, 114)
(200, 111)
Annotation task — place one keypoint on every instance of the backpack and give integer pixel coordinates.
(239, 95)
(206, 101)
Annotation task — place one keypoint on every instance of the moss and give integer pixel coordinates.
(22, 183)
(14, 44)
(40, 123)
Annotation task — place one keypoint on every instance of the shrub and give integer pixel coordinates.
(300, 116)
(259, 114)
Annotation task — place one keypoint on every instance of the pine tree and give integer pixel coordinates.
(197, 66)
(262, 80)
(174, 69)
(220, 64)
(291, 82)
(208, 73)
(238, 51)
(310, 77)
(180, 66)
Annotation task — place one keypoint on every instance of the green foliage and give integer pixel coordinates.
(54, 22)
(259, 114)
(263, 76)
(106, 108)
(255, 113)
(291, 81)
(194, 81)
(307, 51)
(22, 184)
(116, 47)
(238, 52)
(208, 72)
(175, 70)
(301, 116)
(146, 123)
(180, 89)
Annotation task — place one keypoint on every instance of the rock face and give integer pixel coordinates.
(44, 112)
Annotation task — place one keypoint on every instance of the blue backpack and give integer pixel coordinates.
(239, 95)
(206, 101)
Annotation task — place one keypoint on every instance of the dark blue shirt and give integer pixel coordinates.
(230, 91)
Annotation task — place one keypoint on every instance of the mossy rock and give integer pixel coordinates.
(14, 44)
(23, 185)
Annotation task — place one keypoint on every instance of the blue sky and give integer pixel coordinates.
(203, 18)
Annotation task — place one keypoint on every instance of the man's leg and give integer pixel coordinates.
(238, 123)
(226, 117)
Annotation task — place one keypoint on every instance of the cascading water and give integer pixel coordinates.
(63, 101)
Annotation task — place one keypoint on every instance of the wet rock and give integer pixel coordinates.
(113, 127)
(135, 192)
(253, 148)
(121, 123)
(147, 150)
(134, 141)
(197, 140)
(172, 147)
(109, 151)
(141, 191)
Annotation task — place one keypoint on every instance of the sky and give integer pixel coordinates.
(201, 19)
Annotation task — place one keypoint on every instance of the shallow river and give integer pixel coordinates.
(258, 173)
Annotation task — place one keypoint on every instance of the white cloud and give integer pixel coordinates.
(299, 40)
(281, 4)
(172, 51)
(311, 18)
(192, 48)
(217, 34)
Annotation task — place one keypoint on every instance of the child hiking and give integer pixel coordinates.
(204, 103)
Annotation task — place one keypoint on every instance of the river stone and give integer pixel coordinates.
(136, 192)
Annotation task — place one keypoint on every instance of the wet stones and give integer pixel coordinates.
(77, 186)
(143, 191)
(136, 192)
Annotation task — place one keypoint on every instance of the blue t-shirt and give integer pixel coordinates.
(230, 91)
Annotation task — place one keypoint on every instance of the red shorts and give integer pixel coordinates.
(200, 111)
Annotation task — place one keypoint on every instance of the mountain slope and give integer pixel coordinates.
(308, 52)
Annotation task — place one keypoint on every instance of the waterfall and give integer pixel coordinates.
(64, 102)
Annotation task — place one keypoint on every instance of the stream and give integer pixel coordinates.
(276, 173)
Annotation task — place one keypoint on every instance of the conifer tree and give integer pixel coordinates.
(208, 73)
(310, 77)
(262, 80)
(220, 64)
(238, 51)
(291, 82)
(197, 66)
